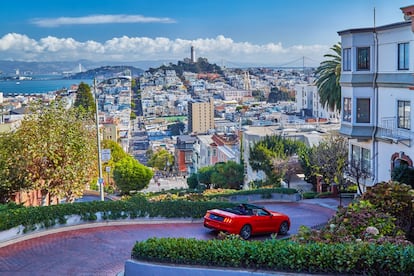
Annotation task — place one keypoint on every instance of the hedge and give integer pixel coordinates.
(135, 207)
(280, 255)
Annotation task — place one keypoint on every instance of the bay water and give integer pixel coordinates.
(38, 86)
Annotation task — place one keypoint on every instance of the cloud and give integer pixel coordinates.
(98, 19)
(221, 50)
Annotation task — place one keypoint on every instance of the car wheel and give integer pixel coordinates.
(246, 232)
(284, 228)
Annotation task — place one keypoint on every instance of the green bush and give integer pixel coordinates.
(280, 255)
(309, 195)
(137, 206)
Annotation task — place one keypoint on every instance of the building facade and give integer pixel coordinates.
(377, 95)
(200, 116)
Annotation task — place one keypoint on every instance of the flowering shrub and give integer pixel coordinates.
(395, 199)
(359, 222)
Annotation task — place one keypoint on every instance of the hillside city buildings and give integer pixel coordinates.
(225, 114)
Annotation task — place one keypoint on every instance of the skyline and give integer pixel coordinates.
(226, 32)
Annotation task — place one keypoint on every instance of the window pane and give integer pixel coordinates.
(346, 65)
(347, 110)
(363, 111)
(365, 160)
(363, 58)
(356, 154)
(403, 56)
(403, 114)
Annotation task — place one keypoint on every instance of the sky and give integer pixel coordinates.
(226, 32)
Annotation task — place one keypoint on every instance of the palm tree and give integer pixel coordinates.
(329, 72)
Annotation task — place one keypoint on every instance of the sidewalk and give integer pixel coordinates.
(331, 203)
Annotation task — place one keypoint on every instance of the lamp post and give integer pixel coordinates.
(98, 141)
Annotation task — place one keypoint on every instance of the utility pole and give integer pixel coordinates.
(98, 141)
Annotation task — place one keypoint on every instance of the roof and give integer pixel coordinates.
(372, 29)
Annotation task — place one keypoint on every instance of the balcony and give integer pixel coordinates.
(389, 131)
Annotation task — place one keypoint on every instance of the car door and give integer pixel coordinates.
(263, 220)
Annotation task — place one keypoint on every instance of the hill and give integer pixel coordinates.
(200, 66)
(107, 72)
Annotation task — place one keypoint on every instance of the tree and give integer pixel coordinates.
(329, 73)
(357, 173)
(130, 175)
(329, 159)
(84, 99)
(277, 95)
(264, 153)
(12, 179)
(161, 160)
(177, 128)
(204, 175)
(228, 175)
(403, 174)
(55, 151)
(117, 154)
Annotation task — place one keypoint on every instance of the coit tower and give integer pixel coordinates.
(192, 54)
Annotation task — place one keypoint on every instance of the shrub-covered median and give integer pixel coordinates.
(138, 206)
(281, 255)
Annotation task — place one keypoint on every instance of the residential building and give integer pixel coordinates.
(200, 116)
(377, 98)
(183, 154)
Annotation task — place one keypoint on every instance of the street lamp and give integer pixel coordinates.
(98, 141)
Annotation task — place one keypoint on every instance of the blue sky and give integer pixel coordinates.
(262, 32)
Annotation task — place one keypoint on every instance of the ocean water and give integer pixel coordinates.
(38, 86)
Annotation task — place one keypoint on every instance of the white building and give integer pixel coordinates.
(307, 98)
(377, 96)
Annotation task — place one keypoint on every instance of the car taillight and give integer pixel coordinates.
(227, 220)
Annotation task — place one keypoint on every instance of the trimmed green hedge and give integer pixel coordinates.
(280, 255)
(48, 216)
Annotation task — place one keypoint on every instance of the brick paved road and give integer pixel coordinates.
(103, 250)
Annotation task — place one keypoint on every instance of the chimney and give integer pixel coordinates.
(408, 15)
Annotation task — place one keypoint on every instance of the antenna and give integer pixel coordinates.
(374, 18)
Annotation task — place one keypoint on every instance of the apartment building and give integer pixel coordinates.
(200, 116)
(377, 96)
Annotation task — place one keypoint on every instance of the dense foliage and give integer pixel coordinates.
(329, 73)
(161, 160)
(130, 175)
(383, 215)
(266, 154)
(280, 255)
(53, 151)
(85, 100)
(226, 175)
(403, 174)
(327, 160)
(395, 199)
(45, 216)
(200, 66)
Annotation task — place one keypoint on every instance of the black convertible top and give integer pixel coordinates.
(243, 209)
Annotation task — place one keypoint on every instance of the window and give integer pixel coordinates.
(347, 110)
(403, 56)
(363, 58)
(403, 114)
(346, 59)
(361, 158)
(363, 111)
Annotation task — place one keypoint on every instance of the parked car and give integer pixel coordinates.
(247, 220)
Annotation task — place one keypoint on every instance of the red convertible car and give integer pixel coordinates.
(246, 220)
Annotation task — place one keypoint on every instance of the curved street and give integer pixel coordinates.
(104, 250)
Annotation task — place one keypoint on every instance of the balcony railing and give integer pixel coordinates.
(388, 129)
